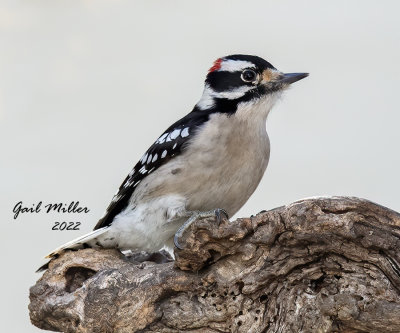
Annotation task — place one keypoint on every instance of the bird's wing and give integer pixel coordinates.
(169, 145)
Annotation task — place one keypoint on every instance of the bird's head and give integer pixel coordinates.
(243, 79)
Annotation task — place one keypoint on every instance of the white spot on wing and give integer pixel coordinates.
(143, 170)
(132, 172)
(175, 134)
(116, 198)
(143, 159)
(149, 159)
(174, 146)
(137, 183)
(152, 169)
(154, 158)
(185, 132)
(128, 183)
(161, 139)
(164, 153)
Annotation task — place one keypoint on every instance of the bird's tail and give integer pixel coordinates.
(77, 243)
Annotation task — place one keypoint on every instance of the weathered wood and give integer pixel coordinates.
(317, 265)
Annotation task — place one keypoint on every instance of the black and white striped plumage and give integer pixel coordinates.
(168, 145)
(214, 157)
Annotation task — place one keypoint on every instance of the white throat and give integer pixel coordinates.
(257, 110)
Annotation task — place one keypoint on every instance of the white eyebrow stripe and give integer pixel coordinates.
(235, 65)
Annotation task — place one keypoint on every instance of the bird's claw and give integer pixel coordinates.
(176, 242)
(218, 213)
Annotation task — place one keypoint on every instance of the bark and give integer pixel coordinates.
(317, 265)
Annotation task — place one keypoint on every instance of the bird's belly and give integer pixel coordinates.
(148, 226)
(234, 156)
(226, 186)
(222, 168)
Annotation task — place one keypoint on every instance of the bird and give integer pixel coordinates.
(208, 163)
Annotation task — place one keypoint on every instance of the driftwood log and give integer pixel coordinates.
(317, 265)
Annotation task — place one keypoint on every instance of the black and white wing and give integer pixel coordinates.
(169, 145)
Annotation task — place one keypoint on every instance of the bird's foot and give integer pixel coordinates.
(218, 213)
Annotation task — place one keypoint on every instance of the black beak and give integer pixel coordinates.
(291, 77)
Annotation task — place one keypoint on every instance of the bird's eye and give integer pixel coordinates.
(248, 75)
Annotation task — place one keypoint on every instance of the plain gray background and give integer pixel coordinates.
(87, 86)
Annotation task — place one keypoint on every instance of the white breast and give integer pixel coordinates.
(223, 165)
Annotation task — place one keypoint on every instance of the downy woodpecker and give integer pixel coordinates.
(208, 162)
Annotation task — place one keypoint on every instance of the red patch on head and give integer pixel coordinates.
(216, 66)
